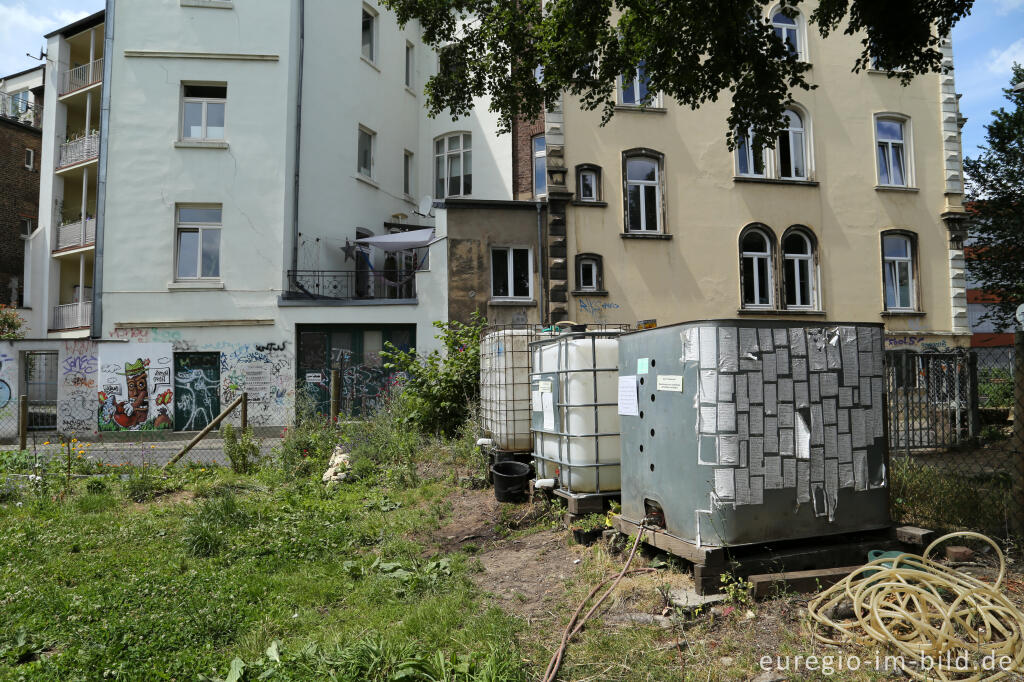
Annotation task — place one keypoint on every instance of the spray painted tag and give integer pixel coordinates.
(670, 382)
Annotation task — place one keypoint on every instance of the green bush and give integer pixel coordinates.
(242, 448)
(441, 387)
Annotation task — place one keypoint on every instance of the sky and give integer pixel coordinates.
(985, 45)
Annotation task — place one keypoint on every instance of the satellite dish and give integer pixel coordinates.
(426, 203)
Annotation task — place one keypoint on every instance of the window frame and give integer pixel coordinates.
(908, 149)
(535, 156)
(914, 271)
(374, 16)
(446, 154)
(30, 159)
(509, 255)
(659, 184)
(205, 101)
(769, 257)
(800, 29)
(592, 169)
(813, 269)
(373, 151)
(198, 227)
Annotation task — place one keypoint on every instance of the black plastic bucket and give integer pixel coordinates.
(510, 481)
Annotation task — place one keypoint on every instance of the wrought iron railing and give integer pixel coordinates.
(351, 285)
(17, 109)
(72, 315)
(81, 76)
(77, 151)
(72, 234)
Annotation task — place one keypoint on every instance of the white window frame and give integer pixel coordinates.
(509, 249)
(595, 267)
(800, 30)
(374, 22)
(620, 82)
(812, 270)
(906, 144)
(408, 173)
(206, 101)
(199, 227)
(363, 130)
(767, 256)
(535, 155)
(892, 263)
(30, 158)
(446, 155)
(656, 183)
(410, 64)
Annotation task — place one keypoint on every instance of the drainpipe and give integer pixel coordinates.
(101, 173)
(540, 266)
(298, 138)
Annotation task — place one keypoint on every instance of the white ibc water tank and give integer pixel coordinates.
(583, 446)
(505, 385)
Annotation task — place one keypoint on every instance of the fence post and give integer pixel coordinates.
(244, 411)
(1017, 508)
(335, 393)
(22, 422)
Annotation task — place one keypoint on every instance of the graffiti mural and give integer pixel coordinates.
(196, 390)
(135, 392)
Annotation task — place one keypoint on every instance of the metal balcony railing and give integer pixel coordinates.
(72, 315)
(80, 77)
(75, 234)
(76, 151)
(350, 285)
(17, 109)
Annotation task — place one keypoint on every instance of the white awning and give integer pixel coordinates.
(400, 241)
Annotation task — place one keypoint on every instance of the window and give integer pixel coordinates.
(892, 157)
(30, 159)
(540, 170)
(198, 242)
(799, 273)
(410, 52)
(369, 35)
(756, 267)
(750, 153)
(364, 152)
(588, 182)
(643, 193)
(407, 171)
(792, 161)
(633, 89)
(788, 31)
(511, 272)
(589, 273)
(898, 272)
(453, 166)
(203, 112)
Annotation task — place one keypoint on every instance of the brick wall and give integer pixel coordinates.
(19, 198)
(522, 156)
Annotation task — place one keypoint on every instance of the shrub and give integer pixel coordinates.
(242, 448)
(440, 387)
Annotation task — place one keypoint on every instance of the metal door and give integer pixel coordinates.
(41, 388)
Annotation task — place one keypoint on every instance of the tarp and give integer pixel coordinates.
(400, 241)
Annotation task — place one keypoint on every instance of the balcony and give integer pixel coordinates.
(71, 316)
(349, 286)
(73, 235)
(80, 77)
(16, 109)
(78, 151)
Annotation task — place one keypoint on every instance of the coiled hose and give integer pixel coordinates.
(943, 624)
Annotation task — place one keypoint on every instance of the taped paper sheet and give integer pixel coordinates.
(628, 402)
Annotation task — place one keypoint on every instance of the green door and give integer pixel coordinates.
(196, 390)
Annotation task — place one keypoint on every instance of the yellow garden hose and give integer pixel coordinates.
(940, 623)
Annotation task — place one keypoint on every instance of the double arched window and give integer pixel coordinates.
(759, 270)
(789, 160)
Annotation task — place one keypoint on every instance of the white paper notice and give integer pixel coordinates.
(628, 404)
(548, 403)
(535, 398)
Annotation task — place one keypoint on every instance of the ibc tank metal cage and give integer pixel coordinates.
(574, 411)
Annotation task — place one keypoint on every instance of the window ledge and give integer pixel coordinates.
(368, 180)
(210, 4)
(641, 235)
(588, 292)
(595, 204)
(198, 285)
(782, 312)
(200, 144)
(902, 313)
(370, 64)
(894, 188)
(642, 110)
(774, 181)
(518, 302)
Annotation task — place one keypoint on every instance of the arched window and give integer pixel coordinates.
(891, 141)
(643, 191)
(898, 276)
(756, 266)
(788, 31)
(792, 147)
(799, 270)
(453, 165)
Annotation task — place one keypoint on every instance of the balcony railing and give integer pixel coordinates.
(76, 151)
(72, 315)
(80, 77)
(75, 234)
(19, 110)
(351, 286)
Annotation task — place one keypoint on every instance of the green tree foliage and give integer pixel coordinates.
(442, 387)
(995, 191)
(692, 51)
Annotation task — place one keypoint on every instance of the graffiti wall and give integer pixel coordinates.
(135, 389)
(77, 399)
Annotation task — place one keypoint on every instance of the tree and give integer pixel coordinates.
(995, 192)
(522, 55)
